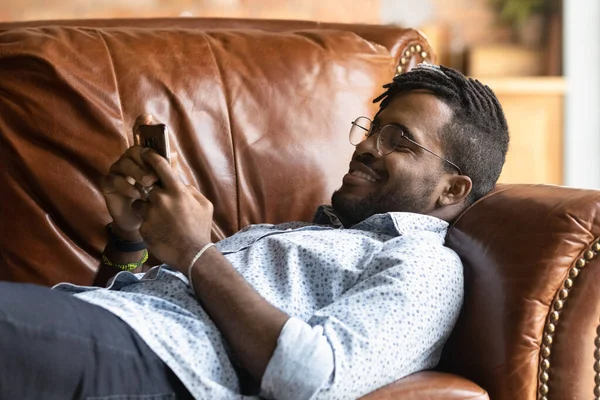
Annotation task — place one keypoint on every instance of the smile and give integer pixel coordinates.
(360, 170)
(362, 175)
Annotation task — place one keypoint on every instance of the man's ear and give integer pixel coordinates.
(457, 189)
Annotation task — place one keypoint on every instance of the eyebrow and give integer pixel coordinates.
(404, 128)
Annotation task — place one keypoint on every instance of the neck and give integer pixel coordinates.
(448, 213)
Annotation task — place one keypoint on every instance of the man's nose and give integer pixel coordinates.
(368, 146)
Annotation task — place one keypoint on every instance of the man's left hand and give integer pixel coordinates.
(177, 219)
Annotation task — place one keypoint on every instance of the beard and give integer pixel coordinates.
(351, 211)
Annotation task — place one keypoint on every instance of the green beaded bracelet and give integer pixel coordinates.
(128, 266)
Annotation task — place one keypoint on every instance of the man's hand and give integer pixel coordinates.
(176, 219)
(119, 190)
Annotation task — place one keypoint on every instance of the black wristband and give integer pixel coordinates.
(122, 245)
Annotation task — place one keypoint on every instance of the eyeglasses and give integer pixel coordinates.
(388, 140)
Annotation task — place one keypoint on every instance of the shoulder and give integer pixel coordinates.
(421, 246)
(417, 258)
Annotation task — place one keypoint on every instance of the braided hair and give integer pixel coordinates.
(476, 139)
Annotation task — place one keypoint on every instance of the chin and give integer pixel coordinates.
(353, 207)
(355, 193)
(350, 208)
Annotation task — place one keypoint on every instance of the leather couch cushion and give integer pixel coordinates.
(259, 122)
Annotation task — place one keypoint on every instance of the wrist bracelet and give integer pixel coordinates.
(128, 266)
(121, 245)
(196, 257)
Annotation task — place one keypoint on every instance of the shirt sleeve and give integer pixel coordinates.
(391, 323)
(301, 363)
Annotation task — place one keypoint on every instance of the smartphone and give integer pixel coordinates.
(155, 137)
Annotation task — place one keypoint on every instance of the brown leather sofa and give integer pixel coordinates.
(259, 113)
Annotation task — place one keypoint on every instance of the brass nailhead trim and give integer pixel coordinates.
(574, 272)
(558, 305)
(546, 353)
(545, 365)
(553, 319)
(408, 54)
(596, 250)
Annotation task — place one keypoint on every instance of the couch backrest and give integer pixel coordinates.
(406, 44)
(530, 324)
(259, 120)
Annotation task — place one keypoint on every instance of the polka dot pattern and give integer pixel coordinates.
(386, 293)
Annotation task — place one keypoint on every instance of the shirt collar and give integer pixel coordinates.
(325, 215)
(392, 223)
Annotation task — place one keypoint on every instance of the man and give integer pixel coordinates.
(334, 309)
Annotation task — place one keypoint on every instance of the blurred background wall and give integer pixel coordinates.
(537, 55)
(458, 28)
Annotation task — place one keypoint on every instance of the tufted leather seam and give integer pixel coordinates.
(232, 136)
(116, 82)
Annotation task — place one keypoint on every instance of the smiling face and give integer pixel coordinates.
(408, 179)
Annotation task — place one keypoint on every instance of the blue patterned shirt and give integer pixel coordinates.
(368, 305)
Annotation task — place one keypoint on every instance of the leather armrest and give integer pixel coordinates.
(529, 325)
(429, 385)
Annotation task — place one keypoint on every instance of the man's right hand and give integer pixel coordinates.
(120, 191)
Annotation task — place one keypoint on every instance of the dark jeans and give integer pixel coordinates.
(55, 346)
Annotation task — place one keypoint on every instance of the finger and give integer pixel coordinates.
(157, 196)
(135, 153)
(161, 166)
(140, 209)
(128, 167)
(144, 119)
(116, 184)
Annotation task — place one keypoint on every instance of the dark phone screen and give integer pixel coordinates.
(156, 138)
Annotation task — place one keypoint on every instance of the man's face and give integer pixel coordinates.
(409, 178)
